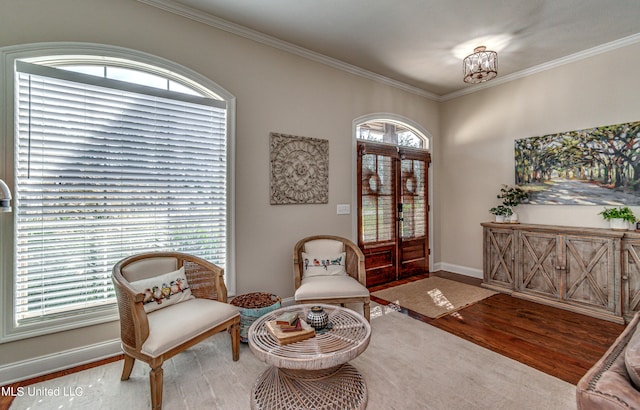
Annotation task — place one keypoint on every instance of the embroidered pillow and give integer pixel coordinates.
(323, 265)
(163, 290)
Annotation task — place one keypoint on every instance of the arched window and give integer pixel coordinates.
(113, 155)
(392, 132)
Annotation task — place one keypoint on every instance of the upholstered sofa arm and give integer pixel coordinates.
(607, 384)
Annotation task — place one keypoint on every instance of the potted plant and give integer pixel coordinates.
(619, 218)
(501, 212)
(511, 196)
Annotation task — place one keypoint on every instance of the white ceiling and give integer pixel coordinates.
(421, 43)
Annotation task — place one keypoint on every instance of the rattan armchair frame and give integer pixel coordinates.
(205, 279)
(354, 267)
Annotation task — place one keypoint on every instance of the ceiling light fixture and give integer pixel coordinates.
(480, 66)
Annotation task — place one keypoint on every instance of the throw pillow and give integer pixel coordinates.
(323, 265)
(163, 290)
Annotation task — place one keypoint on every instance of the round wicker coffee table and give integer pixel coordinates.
(313, 373)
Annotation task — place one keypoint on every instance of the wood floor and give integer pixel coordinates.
(554, 341)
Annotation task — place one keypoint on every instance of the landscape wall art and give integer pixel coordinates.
(596, 166)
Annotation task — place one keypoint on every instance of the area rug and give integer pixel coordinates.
(434, 296)
(408, 365)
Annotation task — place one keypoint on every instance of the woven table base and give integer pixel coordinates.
(338, 388)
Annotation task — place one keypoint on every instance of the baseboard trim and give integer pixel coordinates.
(462, 270)
(42, 365)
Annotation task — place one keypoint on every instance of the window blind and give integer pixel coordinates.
(105, 169)
(414, 201)
(378, 203)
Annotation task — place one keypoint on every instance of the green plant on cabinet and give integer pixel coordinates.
(619, 218)
(511, 196)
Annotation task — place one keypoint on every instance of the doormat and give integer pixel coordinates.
(434, 296)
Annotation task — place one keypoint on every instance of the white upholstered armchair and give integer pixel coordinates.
(154, 289)
(330, 269)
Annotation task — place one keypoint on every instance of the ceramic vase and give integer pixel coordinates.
(618, 223)
(317, 318)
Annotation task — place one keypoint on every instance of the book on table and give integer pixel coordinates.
(286, 337)
(296, 325)
(287, 318)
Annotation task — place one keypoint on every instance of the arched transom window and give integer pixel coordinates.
(392, 132)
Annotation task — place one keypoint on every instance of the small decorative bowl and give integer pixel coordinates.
(317, 318)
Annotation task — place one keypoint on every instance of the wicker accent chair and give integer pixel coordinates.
(338, 289)
(144, 334)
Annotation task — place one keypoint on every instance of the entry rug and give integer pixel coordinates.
(434, 296)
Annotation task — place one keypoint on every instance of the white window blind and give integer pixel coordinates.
(414, 200)
(106, 169)
(378, 200)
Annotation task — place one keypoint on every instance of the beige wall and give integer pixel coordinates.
(478, 133)
(275, 91)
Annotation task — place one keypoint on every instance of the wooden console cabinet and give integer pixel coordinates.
(586, 270)
(630, 274)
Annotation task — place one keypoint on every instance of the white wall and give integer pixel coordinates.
(275, 91)
(478, 133)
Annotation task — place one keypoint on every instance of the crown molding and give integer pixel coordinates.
(213, 21)
(571, 58)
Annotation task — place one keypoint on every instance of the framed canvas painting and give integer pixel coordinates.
(596, 166)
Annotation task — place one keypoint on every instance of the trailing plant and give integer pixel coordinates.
(619, 213)
(511, 196)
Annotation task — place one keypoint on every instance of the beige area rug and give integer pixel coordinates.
(434, 296)
(408, 365)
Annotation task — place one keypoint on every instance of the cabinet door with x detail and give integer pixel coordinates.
(538, 272)
(499, 250)
(588, 266)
